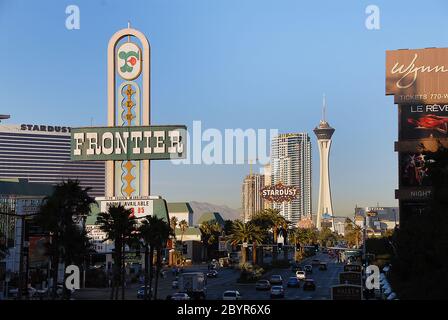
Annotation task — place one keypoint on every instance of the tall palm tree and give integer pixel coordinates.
(60, 215)
(352, 234)
(245, 233)
(173, 222)
(210, 232)
(154, 232)
(120, 226)
(183, 225)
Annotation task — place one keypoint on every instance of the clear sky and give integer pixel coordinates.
(231, 64)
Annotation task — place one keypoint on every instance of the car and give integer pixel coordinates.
(308, 268)
(277, 292)
(300, 275)
(231, 295)
(276, 279)
(293, 282)
(309, 285)
(323, 266)
(263, 285)
(141, 292)
(180, 296)
(315, 262)
(212, 274)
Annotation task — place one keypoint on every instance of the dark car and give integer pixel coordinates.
(323, 266)
(308, 268)
(276, 279)
(309, 285)
(315, 262)
(212, 274)
(263, 285)
(277, 292)
(293, 282)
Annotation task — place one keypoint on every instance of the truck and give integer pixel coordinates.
(193, 284)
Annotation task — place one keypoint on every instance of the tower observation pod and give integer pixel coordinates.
(324, 132)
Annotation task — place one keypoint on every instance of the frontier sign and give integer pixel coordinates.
(128, 143)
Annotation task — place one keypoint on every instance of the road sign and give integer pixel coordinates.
(346, 292)
(222, 245)
(28, 206)
(352, 268)
(140, 206)
(350, 278)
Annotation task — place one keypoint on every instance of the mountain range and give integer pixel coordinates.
(201, 207)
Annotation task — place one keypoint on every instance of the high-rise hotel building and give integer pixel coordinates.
(41, 153)
(252, 202)
(291, 165)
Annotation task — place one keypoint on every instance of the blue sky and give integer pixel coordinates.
(231, 64)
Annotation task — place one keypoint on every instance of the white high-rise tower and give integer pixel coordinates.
(325, 207)
(291, 165)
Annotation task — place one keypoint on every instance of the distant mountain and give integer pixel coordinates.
(201, 207)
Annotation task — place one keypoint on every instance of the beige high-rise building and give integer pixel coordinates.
(252, 202)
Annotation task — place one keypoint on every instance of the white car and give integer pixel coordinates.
(301, 275)
(231, 295)
(180, 296)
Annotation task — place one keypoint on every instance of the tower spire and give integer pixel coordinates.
(324, 108)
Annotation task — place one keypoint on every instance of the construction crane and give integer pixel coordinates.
(251, 163)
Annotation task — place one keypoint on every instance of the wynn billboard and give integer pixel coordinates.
(417, 76)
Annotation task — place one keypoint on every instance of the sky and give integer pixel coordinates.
(229, 64)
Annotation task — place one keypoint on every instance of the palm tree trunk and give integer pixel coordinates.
(55, 264)
(158, 254)
(254, 253)
(151, 273)
(243, 254)
(274, 248)
(123, 271)
(146, 271)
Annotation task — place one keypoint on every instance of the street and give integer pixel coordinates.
(227, 280)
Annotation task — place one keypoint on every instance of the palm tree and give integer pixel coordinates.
(154, 232)
(173, 222)
(163, 232)
(245, 233)
(352, 234)
(210, 235)
(120, 226)
(183, 225)
(60, 215)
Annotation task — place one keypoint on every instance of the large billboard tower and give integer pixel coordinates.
(325, 208)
